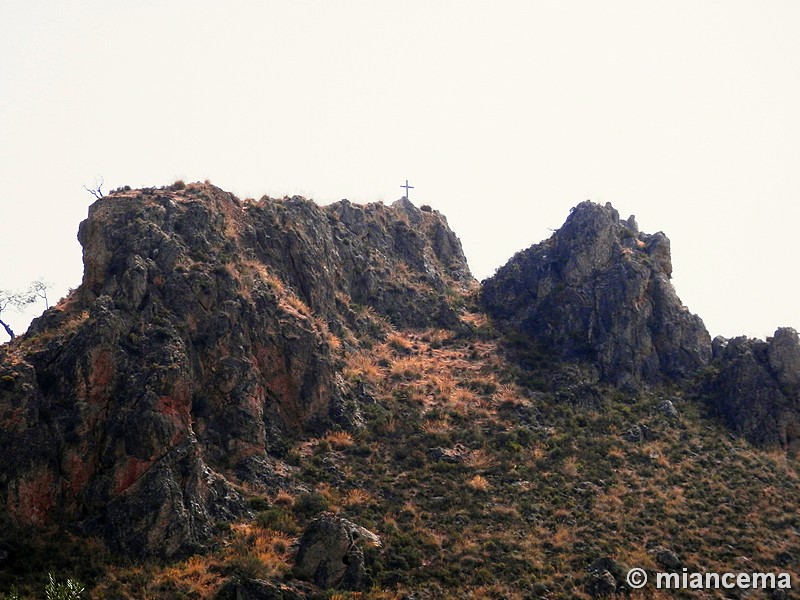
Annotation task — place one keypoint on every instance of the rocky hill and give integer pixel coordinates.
(275, 399)
(205, 335)
(599, 291)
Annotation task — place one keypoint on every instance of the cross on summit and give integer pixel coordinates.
(408, 187)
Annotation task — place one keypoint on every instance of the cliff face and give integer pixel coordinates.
(598, 290)
(206, 333)
(755, 388)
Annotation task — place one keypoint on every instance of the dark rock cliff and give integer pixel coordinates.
(755, 387)
(205, 334)
(598, 290)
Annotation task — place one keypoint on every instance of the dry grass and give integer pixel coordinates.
(283, 498)
(570, 466)
(361, 366)
(480, 459)
(339, 439)
(407, 367)
(357, 497)
(479, 483)
(399, 342)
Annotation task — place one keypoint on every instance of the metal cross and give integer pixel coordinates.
(408, 187)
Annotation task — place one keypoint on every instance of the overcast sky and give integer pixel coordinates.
(503, 115)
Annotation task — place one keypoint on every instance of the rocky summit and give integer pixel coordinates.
(599, 291)
(276, 399)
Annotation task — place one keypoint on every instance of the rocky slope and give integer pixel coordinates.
(206, 334)
(598, 291)
(272, 399)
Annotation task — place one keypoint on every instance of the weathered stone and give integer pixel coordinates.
(330, 553)
(448, 455)
(599, 291)
(666, 558)
(638, 433)
(668, 409)
(605, 577)
(238, 588)
(755, 389)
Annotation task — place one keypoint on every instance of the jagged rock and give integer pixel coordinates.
(605, 577)
(666, 558)
(599, 291)
(238, 588)
(638, 433)
(330, 553)
(668, 409)
(755, 388)
(448, 455)
(197, 346)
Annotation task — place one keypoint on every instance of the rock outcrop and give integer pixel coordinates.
(599, 290)
(755, 387)
(205, 334)
(330, 553)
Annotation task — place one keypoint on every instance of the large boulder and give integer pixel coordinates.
(599, 290)
(330, 553)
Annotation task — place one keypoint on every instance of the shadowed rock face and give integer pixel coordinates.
(198, 343)
(755, 388)
(599, 290)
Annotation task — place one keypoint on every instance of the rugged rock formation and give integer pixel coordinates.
(599, 290)
(330, 553)
(755, 387)
(198, 343)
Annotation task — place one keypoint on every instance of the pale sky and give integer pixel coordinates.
(503, 115)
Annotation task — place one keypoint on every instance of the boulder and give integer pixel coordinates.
(238, 588)
(605, 577)
(666, 558)
(330, 553)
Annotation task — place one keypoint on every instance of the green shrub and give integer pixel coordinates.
(68, 590)
(310, 504)
(276, 518)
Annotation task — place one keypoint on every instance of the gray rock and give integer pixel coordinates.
(668, 408)
(449, 455)
(330, 553)
(238, 588)
(638, 433)
(597, 291)
(666, 558)
(605, 577)
(755, 388)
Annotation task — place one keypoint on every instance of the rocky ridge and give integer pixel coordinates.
(228, 371)
(206, 334)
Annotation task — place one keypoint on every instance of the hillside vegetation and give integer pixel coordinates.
(233, 376)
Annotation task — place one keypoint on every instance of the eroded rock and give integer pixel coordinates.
(755, 388)
(330, 553)
(598, 291)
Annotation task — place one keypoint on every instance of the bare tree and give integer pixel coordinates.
(39, 289)
(96, 191)
(17, 300)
